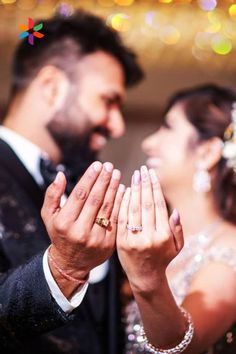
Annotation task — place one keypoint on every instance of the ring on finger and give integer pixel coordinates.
(103, 222)
(134, 228)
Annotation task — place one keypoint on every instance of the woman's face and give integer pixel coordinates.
(172, 151)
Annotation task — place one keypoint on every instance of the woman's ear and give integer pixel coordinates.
(210, 152)
(54, 87)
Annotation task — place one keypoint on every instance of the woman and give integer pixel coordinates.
(194, 156)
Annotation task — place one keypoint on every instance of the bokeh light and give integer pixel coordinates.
(119, 21)
(124, 2)
(221, 45)
(207, 5)
(232, 11)
(169, 35)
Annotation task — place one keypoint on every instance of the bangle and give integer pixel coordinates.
(62, 272)
(179, 348)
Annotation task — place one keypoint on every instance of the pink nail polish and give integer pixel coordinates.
(136, 177)
(144, 173)
(121, 188)
(176, 217)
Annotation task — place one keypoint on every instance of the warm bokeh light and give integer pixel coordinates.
(221, 45)
(165, 1)
(166, 31)
(120, 22)
(8, 1)
(124, 2)
(232, 11)
(169, 35)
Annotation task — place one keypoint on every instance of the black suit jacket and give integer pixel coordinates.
(30, 319)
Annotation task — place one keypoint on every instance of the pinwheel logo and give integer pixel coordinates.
(31, 31)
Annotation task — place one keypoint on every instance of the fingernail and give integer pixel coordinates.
(116, 174)
(153, 175)
(127, 193)
(58, 177)
(121, 188)
(136, 177)
(97, 166)
(176, 217)
(108, 166)
(144, 172)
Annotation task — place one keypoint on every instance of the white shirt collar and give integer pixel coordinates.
(28, 153)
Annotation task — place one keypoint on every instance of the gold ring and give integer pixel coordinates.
(103, 222)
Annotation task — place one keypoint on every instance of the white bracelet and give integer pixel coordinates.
(188, 336)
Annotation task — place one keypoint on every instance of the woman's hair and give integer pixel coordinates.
(208, 108)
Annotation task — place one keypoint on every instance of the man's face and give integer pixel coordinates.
(92, 111)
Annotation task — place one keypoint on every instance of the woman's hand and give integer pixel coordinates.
(145, 254)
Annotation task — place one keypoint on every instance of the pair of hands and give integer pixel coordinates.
(79, 244)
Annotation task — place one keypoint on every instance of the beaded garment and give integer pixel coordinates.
(196, 253)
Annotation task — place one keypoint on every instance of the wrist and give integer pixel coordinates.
(148, 285)
(69, 271)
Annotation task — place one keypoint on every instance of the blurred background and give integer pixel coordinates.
(180, 43)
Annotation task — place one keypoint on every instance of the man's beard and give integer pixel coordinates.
(76, 154)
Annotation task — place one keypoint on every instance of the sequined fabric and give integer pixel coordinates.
(197, 253)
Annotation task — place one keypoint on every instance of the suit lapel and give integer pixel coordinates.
(17, 170)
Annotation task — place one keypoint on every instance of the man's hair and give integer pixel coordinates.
(66, 39)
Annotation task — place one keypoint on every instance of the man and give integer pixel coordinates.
(65, 102)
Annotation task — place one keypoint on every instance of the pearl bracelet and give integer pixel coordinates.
(179, 348)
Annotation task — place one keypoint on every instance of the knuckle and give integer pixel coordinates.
(134, 210)
(107, 206)
(113, 185)
(81, 193)
(165, 236)
(82, 237)
(105, 177)
(121, 221)
(61, 226)
(95, 200)
(156, 186)
(147, 205)
(114, 219)
(50, 193)
(160, 204)
(178, 229)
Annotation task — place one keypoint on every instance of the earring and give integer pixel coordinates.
(201, 179)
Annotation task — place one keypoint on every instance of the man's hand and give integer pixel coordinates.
(78, 243)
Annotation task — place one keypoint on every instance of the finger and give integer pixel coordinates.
(96, 197)
(111, 232)
(123, 214)
(108, 204)
(161, 212)
(177, 230)
(148, 210)
(53, 196)
(79, 194)
(134, 214)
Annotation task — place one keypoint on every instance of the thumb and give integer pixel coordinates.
(177, 230)
(53, 196)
